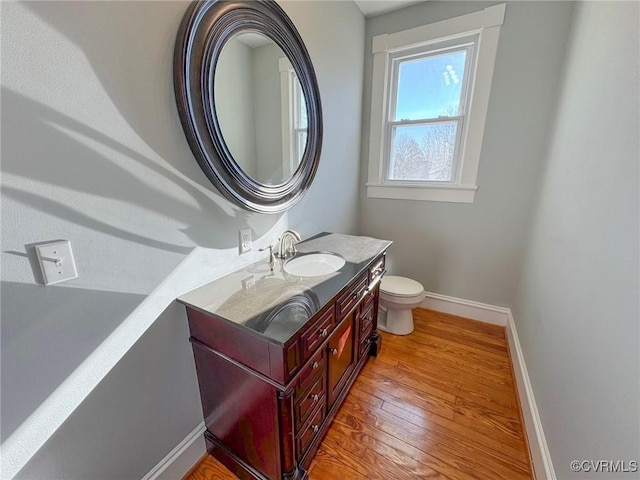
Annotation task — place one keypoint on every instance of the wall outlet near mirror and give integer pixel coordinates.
(245, 245)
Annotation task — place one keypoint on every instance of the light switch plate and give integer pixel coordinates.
(56, 262)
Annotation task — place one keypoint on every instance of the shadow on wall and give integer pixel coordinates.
(114, 421)
(126, 175)
(136, 72)
(130, 48)
(80, 168)
(42, 345)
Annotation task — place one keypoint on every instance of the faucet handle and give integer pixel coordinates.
(272, 258)
(270, 248)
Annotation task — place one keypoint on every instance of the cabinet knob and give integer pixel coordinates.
(324, 332)
(315, 397)
(315, 365)
(334, 351)
(315, 428)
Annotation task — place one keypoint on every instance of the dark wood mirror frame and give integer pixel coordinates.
(205, 28)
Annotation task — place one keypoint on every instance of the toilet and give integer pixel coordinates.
(398, 296)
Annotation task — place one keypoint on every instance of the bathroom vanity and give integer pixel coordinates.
(277, 353)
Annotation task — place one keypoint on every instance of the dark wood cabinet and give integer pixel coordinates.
(267, 406)
(341, 360)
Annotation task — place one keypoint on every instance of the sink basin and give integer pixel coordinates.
(314, 264)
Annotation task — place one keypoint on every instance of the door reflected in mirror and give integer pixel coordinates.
(260, 108)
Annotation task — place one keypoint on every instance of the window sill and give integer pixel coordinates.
(427, 193)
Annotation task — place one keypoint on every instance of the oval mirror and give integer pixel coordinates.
(248, 101)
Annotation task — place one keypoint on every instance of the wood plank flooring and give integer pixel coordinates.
(440, 403)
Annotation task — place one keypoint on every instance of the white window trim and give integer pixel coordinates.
(289, 116)
(486, 23)
(286, 109)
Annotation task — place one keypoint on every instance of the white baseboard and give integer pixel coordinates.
(182, 458)
(538, 447)
(502, 316)
(466, 308)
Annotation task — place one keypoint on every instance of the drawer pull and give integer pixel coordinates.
(315, 428)
(334, 351)
(354, 295)
(315, 365)
(324, 332)
(315, 397)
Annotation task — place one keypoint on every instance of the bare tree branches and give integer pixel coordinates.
(426, 158)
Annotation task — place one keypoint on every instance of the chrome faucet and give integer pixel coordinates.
(283, 250)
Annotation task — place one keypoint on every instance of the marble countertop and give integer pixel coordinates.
(275, 304)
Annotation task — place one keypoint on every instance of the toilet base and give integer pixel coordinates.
(397, 322)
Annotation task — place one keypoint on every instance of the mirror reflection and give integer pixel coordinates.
(260, 107)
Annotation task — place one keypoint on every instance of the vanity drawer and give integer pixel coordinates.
(351, 297)
(311, 371)
(310, 429)
(365, 345)
(309, 400)
(368, 298)
(366, 322)
(377, 270)
(314, 336)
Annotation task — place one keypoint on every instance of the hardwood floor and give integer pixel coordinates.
(439, 403)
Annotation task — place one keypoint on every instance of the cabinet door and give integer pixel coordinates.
(341, 357)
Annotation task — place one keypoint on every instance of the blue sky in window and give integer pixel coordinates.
(430, 87)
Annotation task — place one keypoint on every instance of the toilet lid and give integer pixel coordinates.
(400, 286)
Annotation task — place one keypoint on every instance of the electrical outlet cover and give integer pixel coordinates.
(56, 262)
(249, 282)
(245, 244)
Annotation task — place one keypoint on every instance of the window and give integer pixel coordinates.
(426, 112)
(429, 99)
(294, 118)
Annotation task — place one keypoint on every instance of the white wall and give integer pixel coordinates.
(472, 251)
(577, 309)
(333, 32)
(97, 374)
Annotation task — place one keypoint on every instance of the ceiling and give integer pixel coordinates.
(371, 8)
